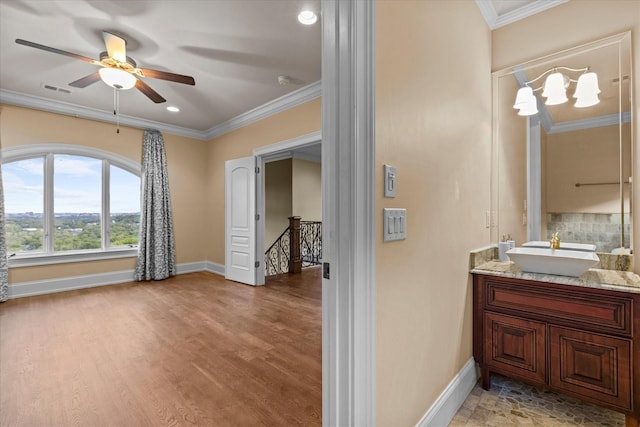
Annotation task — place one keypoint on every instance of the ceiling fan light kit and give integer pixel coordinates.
(117, 78)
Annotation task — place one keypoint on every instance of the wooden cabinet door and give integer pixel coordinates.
(515, 347)
(592, 367)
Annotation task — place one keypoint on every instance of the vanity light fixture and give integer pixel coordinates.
(555, 90)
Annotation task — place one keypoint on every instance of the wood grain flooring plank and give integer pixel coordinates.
(191, 350)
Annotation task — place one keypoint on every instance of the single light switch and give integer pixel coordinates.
(389, 181)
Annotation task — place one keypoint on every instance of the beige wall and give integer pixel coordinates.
(277, 199)
(292, 187)
(297, 121)
(433, 122)
(196, 174)
(557, 29)
(307, 190)
(511, 160)
(585, 156)
(186, 161)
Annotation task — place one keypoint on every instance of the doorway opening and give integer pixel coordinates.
(288, 185)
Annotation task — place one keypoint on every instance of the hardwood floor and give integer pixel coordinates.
(191, 350)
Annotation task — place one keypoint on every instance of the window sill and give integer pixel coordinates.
(67, 257)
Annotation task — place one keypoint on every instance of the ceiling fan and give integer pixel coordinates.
(118, 70)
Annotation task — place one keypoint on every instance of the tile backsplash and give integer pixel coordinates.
(603, 230)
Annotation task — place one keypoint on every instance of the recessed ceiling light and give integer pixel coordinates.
(173, 109)
(307, 17)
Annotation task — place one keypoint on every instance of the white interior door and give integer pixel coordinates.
(240, 222)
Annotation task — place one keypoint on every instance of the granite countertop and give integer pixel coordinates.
(623, 281)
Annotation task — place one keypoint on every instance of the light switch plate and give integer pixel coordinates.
(395, 224)
(389, 181)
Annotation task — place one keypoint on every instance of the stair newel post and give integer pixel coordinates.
(295, 262)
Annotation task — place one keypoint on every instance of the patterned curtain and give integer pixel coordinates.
(156, 257)
(4, 268)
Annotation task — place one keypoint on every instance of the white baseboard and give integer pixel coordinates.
(41, 287)
(190, 267)
(213, 267)
(451, 399)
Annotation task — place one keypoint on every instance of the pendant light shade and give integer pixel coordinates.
(117, 78)
(587, 90)
(523, 97)
(554, 89)
(526, 102)
(530, 108)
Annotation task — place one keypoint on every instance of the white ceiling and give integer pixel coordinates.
(235, 50)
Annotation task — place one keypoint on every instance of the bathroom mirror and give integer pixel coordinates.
(565, 169)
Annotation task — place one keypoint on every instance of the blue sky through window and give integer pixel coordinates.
(124, 192)
(23, 185)
(77, 186)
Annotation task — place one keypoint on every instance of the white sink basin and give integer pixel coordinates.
(562, 262)
(571, 246)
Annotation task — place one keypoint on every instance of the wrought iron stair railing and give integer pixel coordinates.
(299, 245)
(310, 242)
(276, 258)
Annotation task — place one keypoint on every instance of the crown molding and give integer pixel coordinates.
(592, 122)
(290, 100)
(39, 103)
(496, 21)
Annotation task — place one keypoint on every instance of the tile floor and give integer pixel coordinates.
(513, 403)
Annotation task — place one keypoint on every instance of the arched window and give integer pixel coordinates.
(68, 203)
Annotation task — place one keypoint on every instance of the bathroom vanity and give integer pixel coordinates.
(577, 336)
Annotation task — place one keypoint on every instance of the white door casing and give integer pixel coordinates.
(348, 213)
(240, 220)
(270, 153)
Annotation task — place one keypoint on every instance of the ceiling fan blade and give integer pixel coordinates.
(116, 46)
(164, 75)
(151, 94)
(54, 50)
(86, 80)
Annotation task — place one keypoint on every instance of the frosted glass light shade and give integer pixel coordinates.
(526, 102)
(117, 78)
(587, 85)
(587, 90)
(554, 89)
(523, 97)
(530, 108)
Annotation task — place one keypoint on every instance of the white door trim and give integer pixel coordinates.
(348, 213)
(269, 153)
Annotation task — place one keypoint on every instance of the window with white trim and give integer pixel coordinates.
(69, 202)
